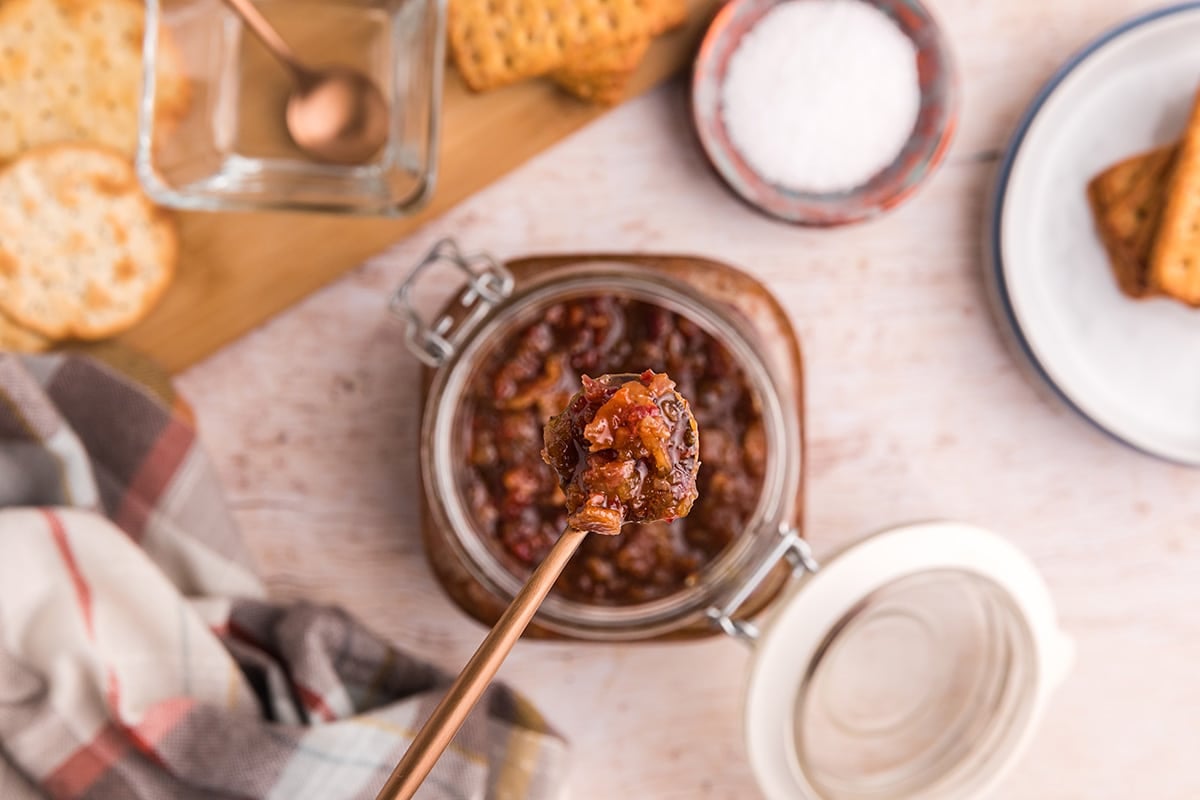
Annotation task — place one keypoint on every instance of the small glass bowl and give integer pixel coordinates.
(925, 149)
(230, 149)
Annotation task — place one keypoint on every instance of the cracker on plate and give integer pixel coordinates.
(1127, 201)
(1175, 256)
(496, 42)
(71, 70)
(100, 253)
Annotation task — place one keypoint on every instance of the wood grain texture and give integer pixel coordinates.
(237, 270)
(916, 409)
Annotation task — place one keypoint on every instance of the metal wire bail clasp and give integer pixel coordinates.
(488, 284)
(790, 547)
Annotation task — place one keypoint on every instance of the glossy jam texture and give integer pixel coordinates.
(626, 450)
(530, 375)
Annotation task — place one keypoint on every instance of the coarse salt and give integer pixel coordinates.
(821, 95)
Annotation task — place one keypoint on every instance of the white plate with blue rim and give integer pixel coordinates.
(1130, 367)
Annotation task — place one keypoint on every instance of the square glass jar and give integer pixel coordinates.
(228, 148)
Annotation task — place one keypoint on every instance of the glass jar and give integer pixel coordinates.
(230, 150)
(726, 304)
(915, 663)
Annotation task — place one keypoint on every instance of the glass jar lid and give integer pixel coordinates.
(914, 665)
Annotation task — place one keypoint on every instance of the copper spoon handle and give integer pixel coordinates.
(270, 38)
(448, 717)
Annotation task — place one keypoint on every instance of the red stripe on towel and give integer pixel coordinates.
(156, 472)
(314, 702)
(83, 595)
(74, 776)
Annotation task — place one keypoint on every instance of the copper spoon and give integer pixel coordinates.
(435, 736)
(337, 114)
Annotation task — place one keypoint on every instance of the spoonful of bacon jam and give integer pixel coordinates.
(626, 449)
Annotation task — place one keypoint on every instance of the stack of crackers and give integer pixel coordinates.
(83, 252)
(590, 48)
(1147, 211)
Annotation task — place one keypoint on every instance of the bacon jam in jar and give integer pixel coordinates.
(508, 352)
(514, 496)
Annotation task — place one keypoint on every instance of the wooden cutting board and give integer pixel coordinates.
(238, 269)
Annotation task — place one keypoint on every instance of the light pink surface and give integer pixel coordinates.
(915, 410)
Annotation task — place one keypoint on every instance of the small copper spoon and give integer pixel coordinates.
(675, 429)
(336, 114)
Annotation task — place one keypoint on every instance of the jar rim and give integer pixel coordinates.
(721, 577)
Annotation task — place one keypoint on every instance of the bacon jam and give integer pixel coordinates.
(515, 497)
(626, 449)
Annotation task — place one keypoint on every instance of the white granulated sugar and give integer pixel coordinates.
(821, 95)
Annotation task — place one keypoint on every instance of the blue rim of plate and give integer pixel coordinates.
(997, 209)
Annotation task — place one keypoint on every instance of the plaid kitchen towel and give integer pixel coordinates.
(139, 658)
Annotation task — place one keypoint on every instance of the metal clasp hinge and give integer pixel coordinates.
(790, 547)
(488, 284)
